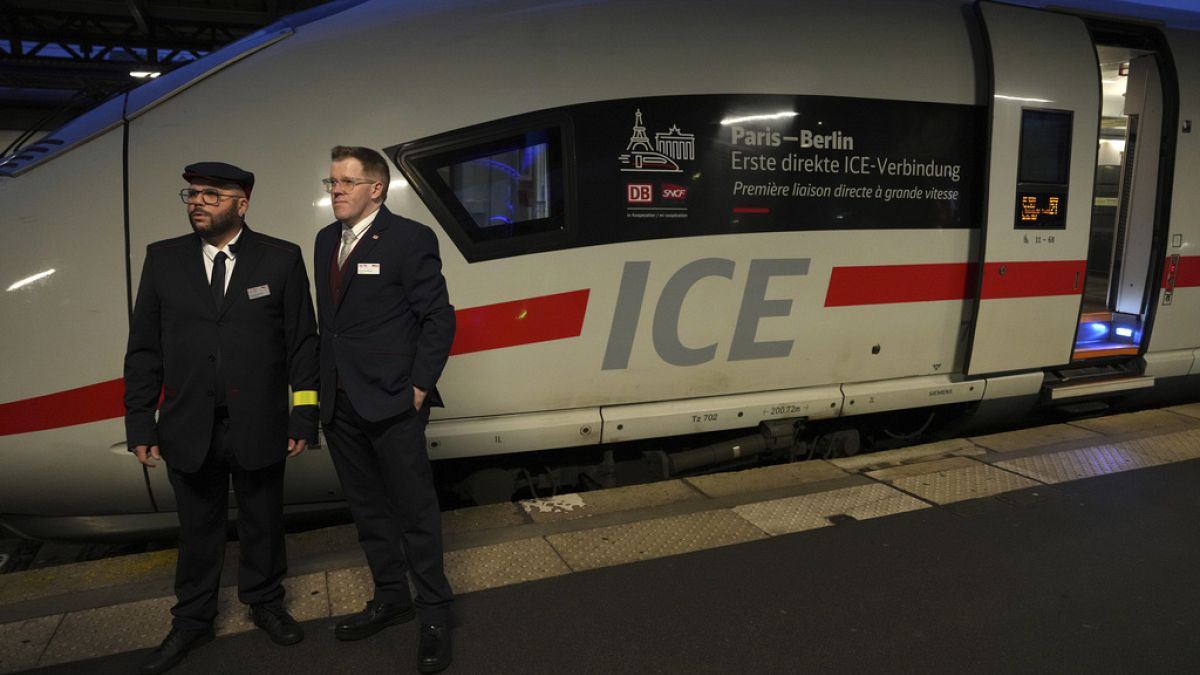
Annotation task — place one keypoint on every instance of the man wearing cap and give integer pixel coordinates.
(386, 329)
(222, 326)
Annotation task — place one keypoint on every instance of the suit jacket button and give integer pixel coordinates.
(211, 358)
(208, 393)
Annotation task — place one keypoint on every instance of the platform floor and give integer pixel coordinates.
(1066, 548)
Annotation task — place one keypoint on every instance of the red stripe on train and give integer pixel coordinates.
(885, 284)
(507, 324)
(1188, 274)
(521, 322)
(92, 403)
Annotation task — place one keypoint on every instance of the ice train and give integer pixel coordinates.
(656, 218)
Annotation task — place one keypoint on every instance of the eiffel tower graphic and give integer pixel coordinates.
(641, 156)
(639, 141)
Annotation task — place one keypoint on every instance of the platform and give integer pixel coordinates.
(1066, 548)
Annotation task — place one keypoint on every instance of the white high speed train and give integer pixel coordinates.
(656, 218)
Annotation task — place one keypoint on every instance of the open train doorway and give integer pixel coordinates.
(1121, 260)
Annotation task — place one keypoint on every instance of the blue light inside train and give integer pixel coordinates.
(1094, 331)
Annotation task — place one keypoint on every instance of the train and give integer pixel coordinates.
(771, 219)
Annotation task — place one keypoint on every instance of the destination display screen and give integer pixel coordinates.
(1041, 209)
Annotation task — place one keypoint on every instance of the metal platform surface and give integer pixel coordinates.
(555, 551)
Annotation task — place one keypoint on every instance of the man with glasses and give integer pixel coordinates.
(222, 326)
(386, 328)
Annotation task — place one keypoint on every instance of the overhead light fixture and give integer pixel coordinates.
(1023, 99)
(144, 74)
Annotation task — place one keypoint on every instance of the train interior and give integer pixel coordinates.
(1120, 255)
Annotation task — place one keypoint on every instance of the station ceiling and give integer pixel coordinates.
(61, 57)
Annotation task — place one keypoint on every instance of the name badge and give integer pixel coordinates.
(258, 292)
(368, 268)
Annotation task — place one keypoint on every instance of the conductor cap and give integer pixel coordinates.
(220, 173)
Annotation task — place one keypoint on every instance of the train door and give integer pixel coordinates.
(1122, 256)
(1044, 117)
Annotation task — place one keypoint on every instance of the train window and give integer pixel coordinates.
(497, 191)
(1043, 169)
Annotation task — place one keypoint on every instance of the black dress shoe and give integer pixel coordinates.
(376, 617)
(172, 650)
(433, 655)
(274, 619)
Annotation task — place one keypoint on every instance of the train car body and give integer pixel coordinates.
(655, 218)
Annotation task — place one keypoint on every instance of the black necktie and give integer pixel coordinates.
(217, 283)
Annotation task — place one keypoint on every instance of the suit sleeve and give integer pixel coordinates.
(144, 362)
(426, 288)
(300, 338)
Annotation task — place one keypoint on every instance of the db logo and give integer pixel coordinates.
(639, 193)
(674, 192)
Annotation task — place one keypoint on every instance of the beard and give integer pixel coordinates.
(219, 224)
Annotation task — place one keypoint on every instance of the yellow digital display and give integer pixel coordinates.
(1040, 210)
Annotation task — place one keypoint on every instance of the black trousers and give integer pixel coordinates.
(388, 482)
(202, 499)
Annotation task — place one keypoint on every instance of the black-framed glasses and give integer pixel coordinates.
(347, 184)
(207, 197)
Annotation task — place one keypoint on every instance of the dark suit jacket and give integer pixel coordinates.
(178, 339)
(391, 330)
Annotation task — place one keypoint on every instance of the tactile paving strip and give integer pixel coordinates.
(956, 485)
(619, 544)
(1068, 465)
(512, 562)
(765, 478)
(808, 512)
(22, 642)
(349, 590)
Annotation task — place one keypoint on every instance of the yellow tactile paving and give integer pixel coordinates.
(1143, 420)
(582, 505)
(619, 544)
(22, 642)
(955, 485)
(1023, 439)
(512, 562)
(766, 478)
(808, 512)
(1068, 465)
(349, 590)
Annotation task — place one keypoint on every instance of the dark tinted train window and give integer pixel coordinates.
(496, 191)
(1043, 170)
(1045, 146)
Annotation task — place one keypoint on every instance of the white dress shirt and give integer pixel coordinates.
(210, 252)
(344, 250)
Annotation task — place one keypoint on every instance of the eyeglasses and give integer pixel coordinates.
(347, 184)
(208, 197)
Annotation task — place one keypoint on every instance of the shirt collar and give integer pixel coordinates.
(362, 225)
(230, 249)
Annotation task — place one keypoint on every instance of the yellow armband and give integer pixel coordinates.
(308, 397)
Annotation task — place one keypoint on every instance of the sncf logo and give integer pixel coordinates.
(674, 192)
(639, 193)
